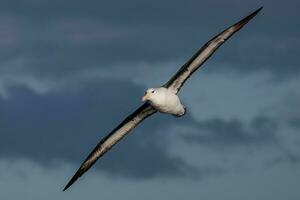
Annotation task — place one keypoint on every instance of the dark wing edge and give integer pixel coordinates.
(176, 82)
(112, 138)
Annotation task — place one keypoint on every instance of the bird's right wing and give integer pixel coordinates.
(112, 138)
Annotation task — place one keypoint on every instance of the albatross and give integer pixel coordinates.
(163, 99)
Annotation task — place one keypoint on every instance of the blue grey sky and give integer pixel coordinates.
(70, 71)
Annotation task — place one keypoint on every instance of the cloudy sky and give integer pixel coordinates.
(70, 71)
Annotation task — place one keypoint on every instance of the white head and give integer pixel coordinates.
(150, 94)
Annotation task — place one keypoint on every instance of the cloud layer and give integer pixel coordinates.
(70, 71)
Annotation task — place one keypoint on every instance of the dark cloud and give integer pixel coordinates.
(295, 123)
(289, 110)
(66, 125)
(218, 133)
(294, 120)
(56, 38)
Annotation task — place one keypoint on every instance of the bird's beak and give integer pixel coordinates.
(145, 97)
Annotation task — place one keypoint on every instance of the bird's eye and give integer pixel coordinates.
(152, 91)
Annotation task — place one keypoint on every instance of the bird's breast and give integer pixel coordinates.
(168, 103)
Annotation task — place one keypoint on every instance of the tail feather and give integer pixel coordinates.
(180, 114)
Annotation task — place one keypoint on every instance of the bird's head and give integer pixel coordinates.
(149, 94)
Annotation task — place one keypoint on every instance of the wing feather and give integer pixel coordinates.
(112, 138)
(177, 81)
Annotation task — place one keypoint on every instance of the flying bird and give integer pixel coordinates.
(163, 99)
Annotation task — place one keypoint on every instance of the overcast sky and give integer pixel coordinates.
(70, 71)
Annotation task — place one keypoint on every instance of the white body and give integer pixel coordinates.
(165, 101)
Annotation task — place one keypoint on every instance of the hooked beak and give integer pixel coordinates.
(145, 97)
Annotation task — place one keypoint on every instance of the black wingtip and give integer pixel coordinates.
(73, 179)
(254, 13)
(244, 21)
(67, 186)
(258, 10)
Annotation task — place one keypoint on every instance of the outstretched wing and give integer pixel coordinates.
(112, 138)
(176, 82)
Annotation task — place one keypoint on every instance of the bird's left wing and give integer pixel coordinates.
(176, 82)
(112, 138)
